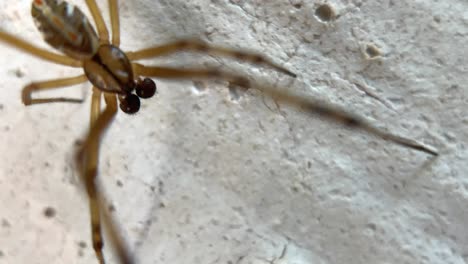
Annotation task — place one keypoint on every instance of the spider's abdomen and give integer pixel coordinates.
(65, 28)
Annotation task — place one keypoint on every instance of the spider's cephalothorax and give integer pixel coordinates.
(66, 28)
(111, 71)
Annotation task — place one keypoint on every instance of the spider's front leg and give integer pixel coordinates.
(173, 73)
(87, 160)
(302, 102)
(194, 45)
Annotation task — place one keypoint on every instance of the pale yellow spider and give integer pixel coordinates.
(116, 77)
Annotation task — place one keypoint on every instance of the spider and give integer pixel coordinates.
(116, 77)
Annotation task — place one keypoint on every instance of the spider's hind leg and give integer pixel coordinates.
(87, 160)
(38, 52)
(49, 85)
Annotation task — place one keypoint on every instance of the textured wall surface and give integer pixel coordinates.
(205, 174)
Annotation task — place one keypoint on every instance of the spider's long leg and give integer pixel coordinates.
(49, 85)
(101, 26)
(88, 159)
(87, 162)
(115, 22)
(342, 117)
(38, 52)
(300, 101)
(199, 46)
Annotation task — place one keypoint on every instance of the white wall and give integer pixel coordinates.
(241, 180)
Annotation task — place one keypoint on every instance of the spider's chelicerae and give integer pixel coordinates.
(116, 77)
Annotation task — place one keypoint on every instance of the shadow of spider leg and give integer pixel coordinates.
(342, 117)
(302, 102)
(88, 160)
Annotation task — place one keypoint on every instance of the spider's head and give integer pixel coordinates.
(130, 102)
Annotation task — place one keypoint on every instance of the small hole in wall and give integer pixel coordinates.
(49, 212)
(82, 244)
(5, 223)
(119, 183)
(296, 3)
(325, 13)
(19, 73)
(372, 52)
(236, 92)
(199, 87)
(111, 208)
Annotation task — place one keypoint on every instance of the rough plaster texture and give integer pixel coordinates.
(205, 175)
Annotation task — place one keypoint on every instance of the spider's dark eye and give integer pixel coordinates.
(130, 104)
(146, 88)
